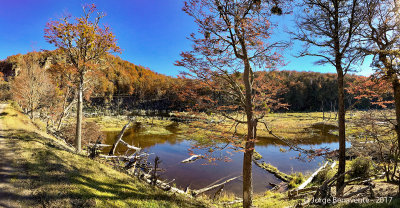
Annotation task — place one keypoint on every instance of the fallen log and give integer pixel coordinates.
(199, 191)
(115, 156)
(357, 192)
(99, 145)
(333, 165)
(191, 159)
(303, 185)
(130, 146)
(164, 186)
(123, 156)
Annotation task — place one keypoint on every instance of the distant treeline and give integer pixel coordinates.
(124, 85)
(313, 91)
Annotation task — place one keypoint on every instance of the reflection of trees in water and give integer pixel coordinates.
(136, 137)
(319, 133)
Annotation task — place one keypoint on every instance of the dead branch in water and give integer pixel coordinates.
(303, 185)
(197, 192)
(119, 139)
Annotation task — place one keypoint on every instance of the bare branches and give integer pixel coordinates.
(333, 27)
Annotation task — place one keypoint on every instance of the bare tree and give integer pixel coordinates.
(381, 39)
(233, 44)
(332, 27)
(32, 88)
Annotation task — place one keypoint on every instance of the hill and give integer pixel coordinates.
(119, 84)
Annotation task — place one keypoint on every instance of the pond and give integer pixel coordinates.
(172, 148)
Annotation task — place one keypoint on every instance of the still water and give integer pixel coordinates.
(172, 148)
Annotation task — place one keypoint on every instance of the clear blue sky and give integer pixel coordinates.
(152, 33)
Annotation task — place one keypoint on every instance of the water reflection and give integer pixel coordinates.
(172, 148)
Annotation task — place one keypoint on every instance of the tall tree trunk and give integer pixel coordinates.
(79, 107)
(396, 92)
(251, 135)
(342, 131)
(247, 164)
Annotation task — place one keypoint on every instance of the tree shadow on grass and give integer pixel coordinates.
(57, 178)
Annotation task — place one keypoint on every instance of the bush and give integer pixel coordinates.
(297, 179)
(323, 175)
(361, 167)
(90, 133)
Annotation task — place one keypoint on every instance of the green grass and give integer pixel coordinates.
(272, 169)
(257, 156)
(55, 177)
(273, 200)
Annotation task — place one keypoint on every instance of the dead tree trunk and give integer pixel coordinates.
(119, 138)
(157, 161)
(197, 192)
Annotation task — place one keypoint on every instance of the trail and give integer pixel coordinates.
(9, 194)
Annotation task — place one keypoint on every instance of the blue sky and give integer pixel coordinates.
(152, 33)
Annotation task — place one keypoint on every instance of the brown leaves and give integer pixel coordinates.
(83, 39)
(370, 89)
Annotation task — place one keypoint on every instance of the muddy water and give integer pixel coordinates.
(172, 148)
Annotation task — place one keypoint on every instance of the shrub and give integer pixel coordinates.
(297, 179)
(360, 167)
(323, 175)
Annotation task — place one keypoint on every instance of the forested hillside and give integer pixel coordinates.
(125, 85)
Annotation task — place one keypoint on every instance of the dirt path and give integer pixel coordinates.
(9, 194)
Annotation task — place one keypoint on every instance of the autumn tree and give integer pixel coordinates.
(84, 41)
(32, 87)
(372, 89)
(4, 88)
(381, 39)
(233, 42)
(329, 29)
